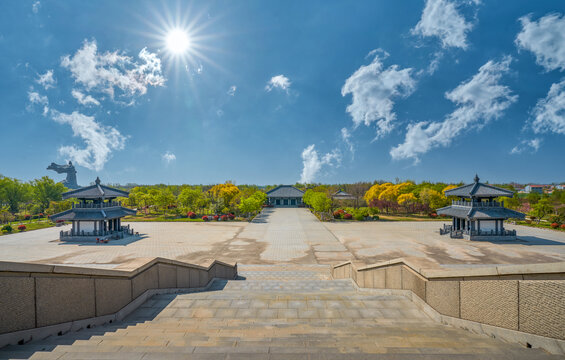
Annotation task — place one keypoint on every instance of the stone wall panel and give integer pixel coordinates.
(64, 299)
(411, 281)
(542, 308)
(112, 295)
(167, 276)
(492, 302)
(393, 277)
(17, 304)
(148, 279)
(443, 296)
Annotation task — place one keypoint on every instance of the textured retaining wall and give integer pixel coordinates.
(35, 295)
(527, 298)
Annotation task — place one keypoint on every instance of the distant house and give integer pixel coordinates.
(560, 187)
(342, 195)
(534, 189)
(285, 196)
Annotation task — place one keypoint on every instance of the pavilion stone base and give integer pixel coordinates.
(490, 237)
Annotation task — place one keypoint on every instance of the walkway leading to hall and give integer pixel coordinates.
(278, 312)
(294, 235)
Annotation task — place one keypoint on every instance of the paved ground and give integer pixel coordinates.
(292, 314)
(286, 235)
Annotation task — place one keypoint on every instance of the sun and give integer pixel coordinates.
(177, 41)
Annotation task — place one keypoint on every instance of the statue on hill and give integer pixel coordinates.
(71, 181)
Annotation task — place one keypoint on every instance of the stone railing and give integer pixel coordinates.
(40, 300)
(100, 205)
(519, 303)
(478, 203)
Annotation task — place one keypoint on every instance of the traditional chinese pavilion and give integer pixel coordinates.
(96, 216)
(476, 215)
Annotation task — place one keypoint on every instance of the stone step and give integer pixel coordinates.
(274, 319)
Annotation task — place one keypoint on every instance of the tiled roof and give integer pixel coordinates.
(343, 195)
(95, 191)
(287, 191)
(93, 214)
(480, 212)
(479, 190)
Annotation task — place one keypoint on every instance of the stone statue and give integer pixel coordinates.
(71, 181)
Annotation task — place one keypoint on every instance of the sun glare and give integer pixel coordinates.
(177, 41)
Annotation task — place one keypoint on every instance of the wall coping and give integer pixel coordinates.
(19, 267)
(500, 270)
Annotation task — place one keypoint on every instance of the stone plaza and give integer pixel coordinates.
(286, 235)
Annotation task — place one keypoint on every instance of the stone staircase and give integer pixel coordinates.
(277, 312)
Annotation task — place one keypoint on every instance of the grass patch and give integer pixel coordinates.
(30, 226)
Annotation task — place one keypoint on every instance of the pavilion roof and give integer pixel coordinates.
(482, 213)
(93, 214)
(96, 191)
(285, 191)
(479, 190)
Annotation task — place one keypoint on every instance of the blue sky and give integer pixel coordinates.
(267, 92)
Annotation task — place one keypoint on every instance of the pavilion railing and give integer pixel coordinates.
(490, 232)
(478, 203)
(125, 230)
(446, 229)
(100, 205)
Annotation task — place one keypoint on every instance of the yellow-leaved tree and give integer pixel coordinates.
(225, 193)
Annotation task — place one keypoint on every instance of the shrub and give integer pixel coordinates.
(191, 215)
(216, 217)
(205, 218)
(338, 214)
(554, 225)
(376, 217)
(373, 210)
(41, 215)
(231, 216)
(433, 215)
(27, 217)
(363, 211)
(359, 217)
(347, 216)
(7, 228)
(562, 226)
(443, 216)
(224, 217)
(22, 227)
(60, 221)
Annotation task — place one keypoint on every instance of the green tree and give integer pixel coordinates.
(252, 204)
(541, 209)
(13, 193)
(164, 198)
(433, 198)
(46, 190)
(188, 198)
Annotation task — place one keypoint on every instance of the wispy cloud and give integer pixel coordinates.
(46, 80)
(346, 137)
(37, 99)
(312, 163)
(83, 99)
(549, 112)
(99, 140)
(479, 100)
(278, 82)
(442, 19)
(168, 157)
(531, 145)
(35, 7)
(545, 39)
(111, 71)
(374, 90)
(231, 90)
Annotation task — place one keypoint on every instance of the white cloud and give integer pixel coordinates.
(110, 71)
(545, 39)
(479, 100)
(346, 137)
(533, 145)
(168, 157)
(549, 113)
(83, 99)
(100, 140)
(373, 90)
(442, 19)
(232, 89)
(46, 80)
(35, 7)
(312, 163)
(279, 81)
(37, 99)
